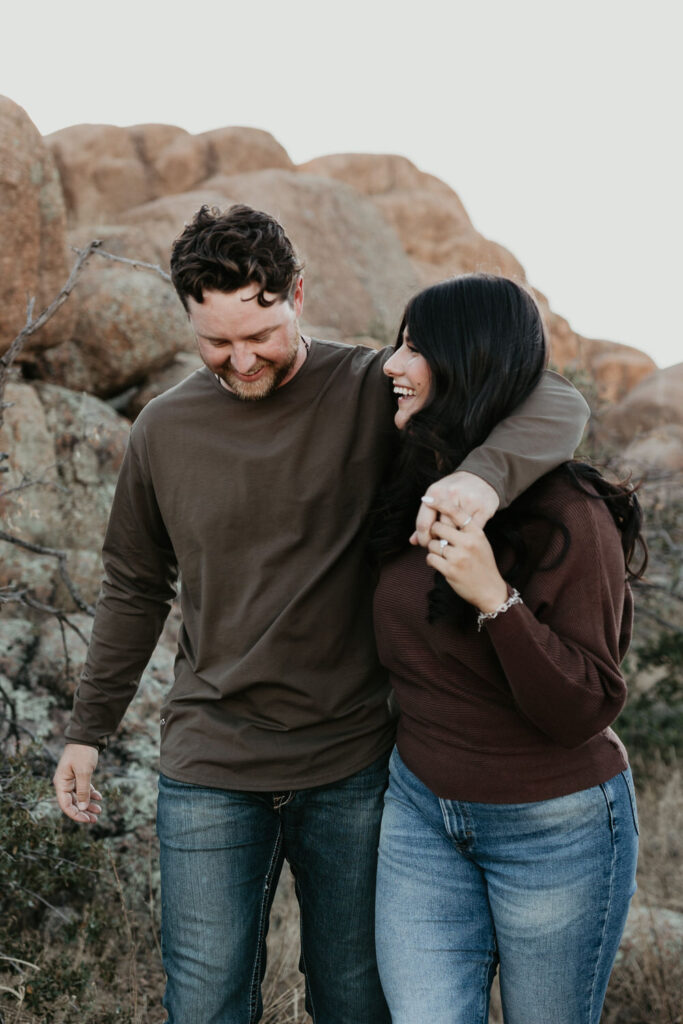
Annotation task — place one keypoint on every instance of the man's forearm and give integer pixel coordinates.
(125, 633)
(139, 585)
(539, 435)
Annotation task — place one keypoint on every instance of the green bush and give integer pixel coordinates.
(652, 721)
(69, 940)
(45, 860)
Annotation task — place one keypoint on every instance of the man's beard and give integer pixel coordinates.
(269, 382)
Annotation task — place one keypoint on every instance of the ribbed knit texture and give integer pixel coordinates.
(520, 711)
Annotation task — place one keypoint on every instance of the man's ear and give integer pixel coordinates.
(298, 297)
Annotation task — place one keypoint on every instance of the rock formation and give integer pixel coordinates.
(33, 257)
(65, 450)
(650, 417)
(426, 214)
(129, 323)
(106, 170)
(441, 241)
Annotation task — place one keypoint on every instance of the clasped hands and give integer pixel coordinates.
(450, 525)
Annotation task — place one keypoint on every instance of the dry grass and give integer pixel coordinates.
(647, 983)
(660, 804)
(283, 987)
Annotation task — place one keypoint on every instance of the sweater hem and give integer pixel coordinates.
(481, 788)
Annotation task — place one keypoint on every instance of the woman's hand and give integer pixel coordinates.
(460, 551)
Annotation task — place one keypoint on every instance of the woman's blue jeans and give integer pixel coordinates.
(221, 856)
(541, 889)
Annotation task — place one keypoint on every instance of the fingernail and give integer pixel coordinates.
(82, 805)
(428, 500)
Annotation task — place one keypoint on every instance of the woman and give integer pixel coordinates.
(510, 832)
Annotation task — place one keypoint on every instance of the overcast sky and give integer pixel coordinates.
(557, 123)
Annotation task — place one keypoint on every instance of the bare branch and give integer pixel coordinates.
(34, 325)
(17, 595)
(37, 896)
(12, 716)
(14, 727)
(643, 610)
(138, 264)
(18, 993)
(16, 960)
(28, 481)
(65, 648)
(61, 556)
(646, 586)
(36, 858)
(665, 536)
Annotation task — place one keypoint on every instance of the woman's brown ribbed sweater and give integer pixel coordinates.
(521, 710)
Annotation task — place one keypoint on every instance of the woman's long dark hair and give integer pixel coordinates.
(484, 341)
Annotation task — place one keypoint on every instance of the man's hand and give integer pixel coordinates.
(76, 795)
(453, 496)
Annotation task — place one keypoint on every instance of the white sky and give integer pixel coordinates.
(557, 123)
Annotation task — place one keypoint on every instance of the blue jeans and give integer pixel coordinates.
(221, 855)
(542, 889)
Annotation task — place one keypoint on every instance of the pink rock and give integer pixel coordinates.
(655, 402)
(33, 257)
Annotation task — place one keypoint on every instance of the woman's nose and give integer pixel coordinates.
(392, 367)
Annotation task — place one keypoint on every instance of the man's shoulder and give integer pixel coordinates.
(199, 383)
(356, 357)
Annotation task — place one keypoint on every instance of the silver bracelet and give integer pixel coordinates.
(482, 617)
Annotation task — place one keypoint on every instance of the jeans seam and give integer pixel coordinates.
(630, 789)
(613, 836)
(485, 991)
(265, 910)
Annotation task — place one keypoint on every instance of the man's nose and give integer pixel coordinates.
(242, 358)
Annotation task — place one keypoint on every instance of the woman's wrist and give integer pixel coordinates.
(494, 599)
(513, 598)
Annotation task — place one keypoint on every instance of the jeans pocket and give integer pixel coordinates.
(628, 779)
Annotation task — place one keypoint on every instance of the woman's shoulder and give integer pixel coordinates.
(568, 528)
(568, 485)
(570, 495)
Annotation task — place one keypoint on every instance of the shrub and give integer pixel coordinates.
(652, 721)
(69, 940)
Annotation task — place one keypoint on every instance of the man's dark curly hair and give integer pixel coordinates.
(226, 251)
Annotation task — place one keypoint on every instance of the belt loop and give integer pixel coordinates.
(281, 800)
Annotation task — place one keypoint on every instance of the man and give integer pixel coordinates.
(254, 479)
